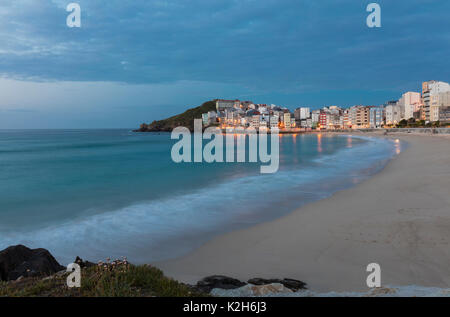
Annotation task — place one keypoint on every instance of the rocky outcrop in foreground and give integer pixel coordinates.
(20, 261)
(218, 281)
(258, 286)
(23, 268)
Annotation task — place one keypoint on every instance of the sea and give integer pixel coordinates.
(115, 193)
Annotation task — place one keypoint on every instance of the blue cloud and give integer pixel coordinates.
(279, 49)
(269, 43)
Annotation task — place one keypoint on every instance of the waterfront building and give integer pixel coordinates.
(444, 115)
(376, 117)
(360, 117)
(323, 119)
(293, 124)
(315, 114)
(409, 103)
(302, 113)
(346, 121)
(254, 123)
(430, 96)
(392, 114)
(303, 124)
(274, 122)
(441, 101)
(297, 114)
(287, 120)
(263, 122)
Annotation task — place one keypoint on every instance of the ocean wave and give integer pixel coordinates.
(165, 228)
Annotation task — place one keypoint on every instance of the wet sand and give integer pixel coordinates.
(399, 218)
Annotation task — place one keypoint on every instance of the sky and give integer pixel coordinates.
(143, 60)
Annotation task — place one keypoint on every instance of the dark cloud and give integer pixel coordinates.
(284, 45)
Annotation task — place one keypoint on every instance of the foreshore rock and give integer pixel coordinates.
(293, 285)
(255, 286)
(218, 281)
(20, 261)
(250, 290)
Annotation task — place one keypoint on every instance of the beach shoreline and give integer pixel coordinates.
(398, 218)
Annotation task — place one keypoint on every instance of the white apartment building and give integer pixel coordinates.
(430, 94)
(254, 123)
(302, 113)
(274, 122)
(392, 114)
(409, 103)
(441, 101)
(263, 123)
(315, 115)
(287, 120)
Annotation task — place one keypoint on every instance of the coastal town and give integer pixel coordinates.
(429, 108)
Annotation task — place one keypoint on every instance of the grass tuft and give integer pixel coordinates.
(116, 279)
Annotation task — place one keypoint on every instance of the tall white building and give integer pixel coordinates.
(315, 115)
(274, 122)
(376, 117)
(430, 94)
(409, 103)
(393, 114)
(254, 123)
(287, 120)
(302, 113)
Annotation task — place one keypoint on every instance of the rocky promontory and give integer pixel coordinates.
(185, 119)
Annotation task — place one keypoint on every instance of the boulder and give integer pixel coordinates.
(249, 290)
(218, 281)
(83, 264)
(293, 285)
(269, 289)
(17, 261)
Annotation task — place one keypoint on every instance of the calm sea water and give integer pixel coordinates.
(111, 193)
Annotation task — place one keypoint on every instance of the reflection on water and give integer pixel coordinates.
(398, 147)
(349, 142)
(319, 143)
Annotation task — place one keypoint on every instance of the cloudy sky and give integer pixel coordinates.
(140, 60)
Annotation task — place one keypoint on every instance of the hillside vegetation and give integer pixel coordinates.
(110, 280)
(186, 119)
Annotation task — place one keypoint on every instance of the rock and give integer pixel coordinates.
(293, 285)
(218, 281)
(17, 261)
(269, 289)
(249, 290)
(83, 264)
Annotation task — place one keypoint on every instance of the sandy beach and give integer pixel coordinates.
(399, 218)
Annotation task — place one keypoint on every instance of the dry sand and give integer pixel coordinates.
(399, 218)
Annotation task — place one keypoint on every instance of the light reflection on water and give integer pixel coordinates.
(398, 146)
(349, 142)
(319, 143)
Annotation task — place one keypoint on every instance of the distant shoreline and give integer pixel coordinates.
(420, 131)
